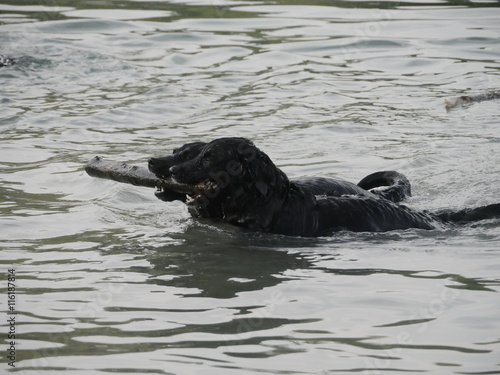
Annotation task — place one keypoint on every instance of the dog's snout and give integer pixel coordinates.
(152, 162)
(174, 169)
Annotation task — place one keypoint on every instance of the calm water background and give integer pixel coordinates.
(111, 280)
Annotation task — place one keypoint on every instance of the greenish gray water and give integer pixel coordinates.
(109, 279)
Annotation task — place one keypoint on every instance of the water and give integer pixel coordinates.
(109, 279)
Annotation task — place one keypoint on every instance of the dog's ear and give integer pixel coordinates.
(264, 176)
(262, 188)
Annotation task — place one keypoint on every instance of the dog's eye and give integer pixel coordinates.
(206, 159)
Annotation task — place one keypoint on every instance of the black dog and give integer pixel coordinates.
(244, 188)
(391, 185)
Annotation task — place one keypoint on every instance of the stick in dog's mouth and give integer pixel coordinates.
(193, 192)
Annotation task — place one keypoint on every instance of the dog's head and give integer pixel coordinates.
(242, 184)
(238, 176)
(230, 163)
(161, 166)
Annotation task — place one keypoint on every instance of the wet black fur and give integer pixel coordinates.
(251, 192)
(391, 185)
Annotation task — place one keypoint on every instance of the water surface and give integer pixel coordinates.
(109, 279)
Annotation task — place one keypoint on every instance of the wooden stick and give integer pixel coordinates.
(453, 102)
(132, 174)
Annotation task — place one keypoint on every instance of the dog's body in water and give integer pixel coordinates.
(243, 187)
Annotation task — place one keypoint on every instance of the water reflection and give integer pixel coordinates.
(220, 265)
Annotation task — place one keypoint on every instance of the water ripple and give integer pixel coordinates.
(106, 273)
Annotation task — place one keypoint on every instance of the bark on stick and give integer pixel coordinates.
(131, 174)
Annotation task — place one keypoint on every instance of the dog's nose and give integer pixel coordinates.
(174, 169)
(152, 162)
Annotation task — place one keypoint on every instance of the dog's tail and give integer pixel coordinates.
(390, 185)
(467, 215)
